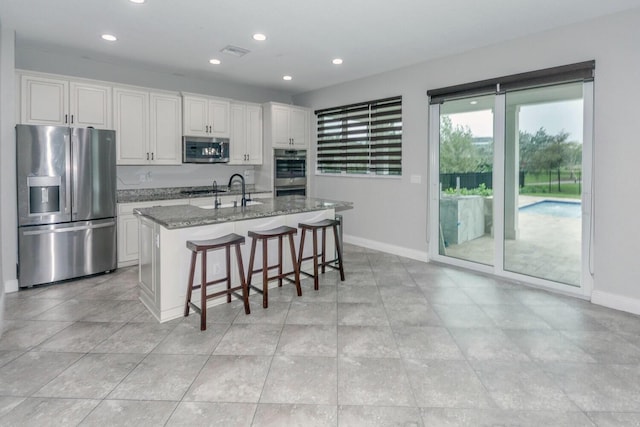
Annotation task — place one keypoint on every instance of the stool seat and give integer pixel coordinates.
(313, 227)
(274, 232)
(264, 235)
(202, 247)
(205, 245)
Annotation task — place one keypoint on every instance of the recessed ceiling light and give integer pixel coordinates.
(109, 37)
(337, 61)
(473, 102)
(137, 1)
(214, 61)
(259, 37)
(287, 78)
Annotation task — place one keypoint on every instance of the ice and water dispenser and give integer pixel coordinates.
(44, 194)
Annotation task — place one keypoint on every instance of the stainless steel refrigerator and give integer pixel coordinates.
(66, 202)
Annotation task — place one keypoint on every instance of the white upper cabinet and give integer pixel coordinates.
(287, 126)
(246, 134)
(147, 127)
(58, 102)
(205, 116)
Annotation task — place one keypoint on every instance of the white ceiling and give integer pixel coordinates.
(303, 35)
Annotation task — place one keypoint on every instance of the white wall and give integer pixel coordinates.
(8, 214)
(392, 213)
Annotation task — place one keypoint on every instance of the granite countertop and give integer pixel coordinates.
(181, 216)
(172, 193)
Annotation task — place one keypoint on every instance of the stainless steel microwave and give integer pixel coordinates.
(205, 150)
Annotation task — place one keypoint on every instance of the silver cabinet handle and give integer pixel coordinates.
(147, 156)
(151, 156)
(72, 119)
(66, 118)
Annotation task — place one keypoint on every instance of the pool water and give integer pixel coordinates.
(554, 208)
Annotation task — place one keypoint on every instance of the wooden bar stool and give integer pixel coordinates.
(265, 235)
(314, 227)
(203, 246)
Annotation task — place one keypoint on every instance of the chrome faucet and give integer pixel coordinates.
(216, 201)
(243, 201)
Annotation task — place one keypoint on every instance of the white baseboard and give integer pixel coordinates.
(618, 302)
(11, 286)
(385, 247)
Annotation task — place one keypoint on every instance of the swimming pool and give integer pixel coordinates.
(554, 208)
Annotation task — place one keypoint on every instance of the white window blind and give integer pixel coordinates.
(363, 138)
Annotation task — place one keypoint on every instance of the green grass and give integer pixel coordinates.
(567, 190)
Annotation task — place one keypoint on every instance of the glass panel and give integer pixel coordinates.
(466, 181)
(543, 169)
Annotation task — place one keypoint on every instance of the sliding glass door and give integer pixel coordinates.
(510, 183)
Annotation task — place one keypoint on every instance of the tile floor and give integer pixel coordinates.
(399, 343)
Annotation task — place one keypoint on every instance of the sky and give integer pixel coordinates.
(554, 117)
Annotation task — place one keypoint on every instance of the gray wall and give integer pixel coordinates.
(392, 214)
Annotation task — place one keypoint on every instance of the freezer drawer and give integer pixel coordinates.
(50, 253)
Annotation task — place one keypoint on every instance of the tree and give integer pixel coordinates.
(457, 153)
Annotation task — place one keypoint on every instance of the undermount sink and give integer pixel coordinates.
(230, 205)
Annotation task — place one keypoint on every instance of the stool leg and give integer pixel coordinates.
(265, 275)
(296, 269)
(339, 249)
(228, 268)
(245, 288)
(203, 293)
(304, 232)
(192, 271)
(324, 249)
(251, 259)
(280, 261)
(315, 259)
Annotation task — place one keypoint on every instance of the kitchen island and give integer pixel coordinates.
(164, 230)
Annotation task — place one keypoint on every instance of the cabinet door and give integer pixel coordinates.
(196, 116)
(254, 134)
(131, 120)
(219, 118)
(146, 276)
(238, 136)
(165, 131)
(299, 128)
(44, 101)
(127, 239)
(90, 105)
(280, 126)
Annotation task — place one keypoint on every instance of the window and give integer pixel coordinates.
(361, 139)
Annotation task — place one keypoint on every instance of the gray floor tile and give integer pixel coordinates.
(446, 383)
(426, 342)
(135, 338)
(615, 419)
(367, 341)
(514, 317)
(190, 414)
(461, 417)
(379, 416)
(160, 377)
(92, 377)
(463, 316)
(28, 308)
(567, 318)
(605, 347)
(308, 340)
(25, 334)
(399, 295)
(359, 293)
(491, 296)
(548, 346)
(7, 403)
(250, 339)
(325, 292)
(29, 372)
(312, 313)
(80, 337)
(447, 296)
(277, 415)
(187, 338)
(487, 344)
(276, 313)
(49, 412)
(362, 314)
(369, 381)
(521, 386)
(296, 379)
(134, 413)
(411, 314)
(7, 356)
(230, 379)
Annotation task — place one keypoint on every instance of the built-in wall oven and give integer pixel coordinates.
(290, 172)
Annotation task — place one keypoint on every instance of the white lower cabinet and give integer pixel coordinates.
(128, 228)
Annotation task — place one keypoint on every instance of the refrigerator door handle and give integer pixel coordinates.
(69, 229)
